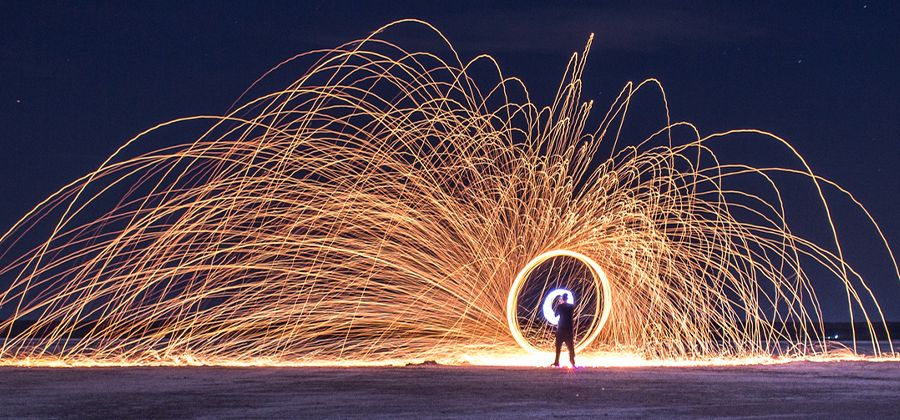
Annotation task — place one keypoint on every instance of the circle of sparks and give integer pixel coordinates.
(601, 288)
(547, 306)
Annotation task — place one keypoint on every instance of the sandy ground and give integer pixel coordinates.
(804, 389)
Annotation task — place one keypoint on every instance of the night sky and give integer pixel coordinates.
(77, 81)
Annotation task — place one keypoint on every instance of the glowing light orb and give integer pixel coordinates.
(547, 307)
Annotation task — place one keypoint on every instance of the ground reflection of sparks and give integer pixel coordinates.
(378, 210)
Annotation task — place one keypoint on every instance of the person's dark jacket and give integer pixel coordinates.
(566, 313)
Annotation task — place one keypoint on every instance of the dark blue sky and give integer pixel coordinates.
(78, 80)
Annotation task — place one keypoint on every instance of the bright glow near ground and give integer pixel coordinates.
(521, 359)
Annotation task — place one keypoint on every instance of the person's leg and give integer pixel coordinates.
(558, 348)
(570, 345)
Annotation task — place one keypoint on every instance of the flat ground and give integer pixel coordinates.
(805, 389)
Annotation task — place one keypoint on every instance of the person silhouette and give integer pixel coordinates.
(564, 328)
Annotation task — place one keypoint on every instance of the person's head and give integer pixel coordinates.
(565, 297)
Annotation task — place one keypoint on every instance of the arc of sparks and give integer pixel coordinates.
(385, 205)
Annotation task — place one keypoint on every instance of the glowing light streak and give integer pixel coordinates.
(547, 306)
(601, 289)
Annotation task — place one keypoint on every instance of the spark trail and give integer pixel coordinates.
(381, 207)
